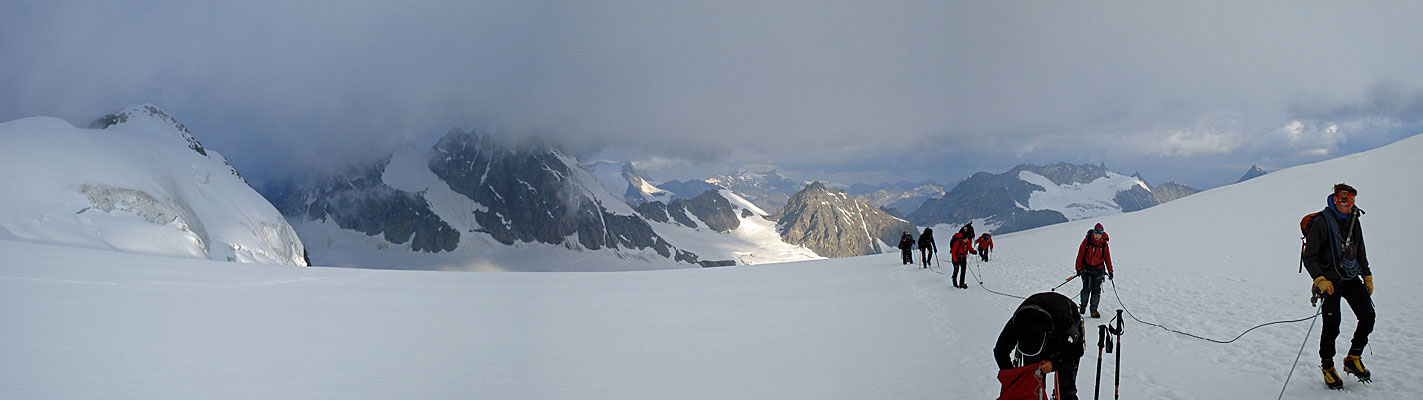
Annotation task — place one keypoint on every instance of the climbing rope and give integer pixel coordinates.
(1297, 356)
(979, 278)
(1237, 337)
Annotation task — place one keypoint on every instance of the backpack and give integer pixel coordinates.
(1304, 234)
(1022, 383)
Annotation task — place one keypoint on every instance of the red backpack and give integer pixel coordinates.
(1022, 383)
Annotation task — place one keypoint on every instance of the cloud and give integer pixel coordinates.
(909, 88)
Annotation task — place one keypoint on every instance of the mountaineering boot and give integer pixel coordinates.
(1331, 378)
(1081, 310)
(1095, 314)
(1355, 365)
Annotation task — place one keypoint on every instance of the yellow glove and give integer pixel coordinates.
(1369, 283)
(1324, 285)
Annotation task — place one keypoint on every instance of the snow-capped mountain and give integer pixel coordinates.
(1168, 191)
(134, 181)
(768, 190)
(899, 198)
(1171, 191)
(835, 224)
(688, 188)
(1252, 173)
(724, 229)
(469, 202)
(1029, 196)
(626, 179)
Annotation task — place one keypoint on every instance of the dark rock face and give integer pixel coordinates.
(834, 224)
(1135, 199)
(710, 207)
(1171, 191)
(714, 210)
(530, 196)
(655, 211)
(359, 201)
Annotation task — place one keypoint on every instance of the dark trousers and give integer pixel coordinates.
(1354, 291)
(907, 256)
(983, 253)
(1092, 288)
(1066, 378)
(925, 254)
(960, 266)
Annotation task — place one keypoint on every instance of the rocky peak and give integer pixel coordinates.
(148, 119)
(1063, 173)
(152, 114)
(834, 224)
(1254, 172)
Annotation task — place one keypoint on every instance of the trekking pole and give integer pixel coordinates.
(1118, 373)
(1069, 279)
(1101, 343)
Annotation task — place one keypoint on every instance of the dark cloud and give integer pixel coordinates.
(852, 89)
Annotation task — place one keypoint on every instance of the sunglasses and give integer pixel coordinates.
(1344, 198)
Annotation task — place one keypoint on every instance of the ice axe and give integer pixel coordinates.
(1069, 279)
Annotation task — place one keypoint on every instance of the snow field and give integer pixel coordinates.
(1213, 264)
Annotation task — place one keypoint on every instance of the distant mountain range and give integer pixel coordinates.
(468, 193)
(1030, 196)
(474, 201)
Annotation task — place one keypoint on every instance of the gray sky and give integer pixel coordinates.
(862, 91)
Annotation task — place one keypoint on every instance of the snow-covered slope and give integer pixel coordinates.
(1212, 264)
(754, 241)
(1079, 200)
(138, 183)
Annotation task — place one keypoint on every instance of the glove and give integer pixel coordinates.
(1369, 283)
(1326, 286)
(1045, 367)
(1110, 276)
